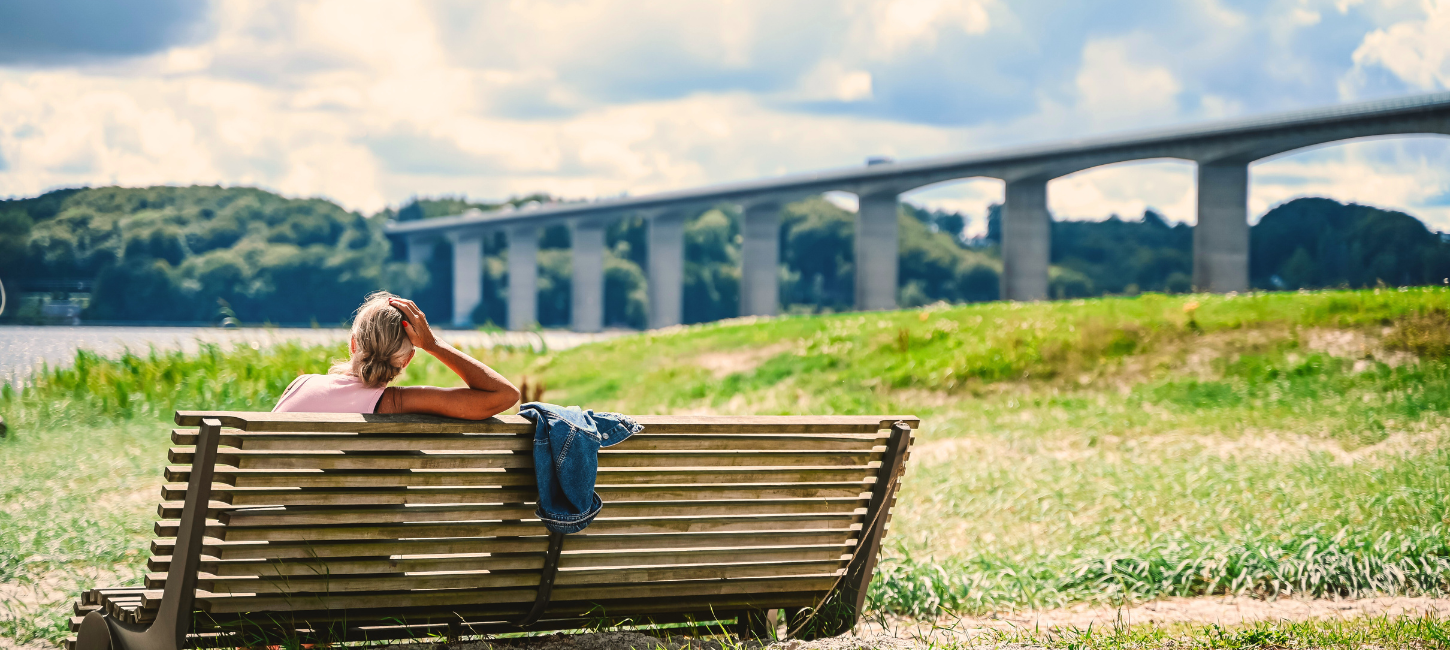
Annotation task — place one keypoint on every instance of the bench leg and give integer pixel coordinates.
(101, 632)
(95, 633)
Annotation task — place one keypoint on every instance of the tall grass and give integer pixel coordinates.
(1313, 562)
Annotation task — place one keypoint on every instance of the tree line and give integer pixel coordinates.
(199, 254)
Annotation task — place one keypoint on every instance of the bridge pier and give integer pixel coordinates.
(876, 251)
(587, 288)
(523, 276)
(760, 260)
(1026, 240)
(1221, 238)
(666, 260)
(467, 274)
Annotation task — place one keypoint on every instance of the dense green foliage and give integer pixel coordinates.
(191, 253)
(1324, 243)
(1124, 257)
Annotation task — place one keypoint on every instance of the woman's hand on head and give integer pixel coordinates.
(415, 324)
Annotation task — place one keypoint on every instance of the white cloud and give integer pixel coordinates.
(897, 25)
(1117, 90)
(1415, 51)
(831, 81)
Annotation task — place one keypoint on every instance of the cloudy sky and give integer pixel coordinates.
(370, 103)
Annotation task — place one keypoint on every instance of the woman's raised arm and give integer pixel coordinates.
(488, 393)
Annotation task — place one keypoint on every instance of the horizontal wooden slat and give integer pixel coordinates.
(603, 525)
(524, 442)
(172, 509)
(254, 497)
(413, 423)
(600, 526)
(168, 528)
(327, 460)
(585, 541)
(523, 477)
(332, 584)
(505, 561)
(315, 516)
(223, 604)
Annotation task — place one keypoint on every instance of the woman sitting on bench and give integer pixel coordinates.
(386, 332)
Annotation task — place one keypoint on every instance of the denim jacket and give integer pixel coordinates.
(566, 458)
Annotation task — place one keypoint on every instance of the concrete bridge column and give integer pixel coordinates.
(1026, 240)
(523, 277)
(587, 306)
(760, 260)
(420, 250)
(467, 275)
(666, 269)
(876, 252)
(1221, 238)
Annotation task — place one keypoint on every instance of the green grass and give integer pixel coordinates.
(1109, 450)
(1409, 632)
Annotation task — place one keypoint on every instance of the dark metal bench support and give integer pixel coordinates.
(546, 580)
(173, 618)
(843, 608)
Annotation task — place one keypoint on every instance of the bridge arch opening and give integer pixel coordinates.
(1123, 228)
(1308, 231)
(973, 199)
(1126, 190)
(1406, 172)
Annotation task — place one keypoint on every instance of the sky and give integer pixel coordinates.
(371, 103)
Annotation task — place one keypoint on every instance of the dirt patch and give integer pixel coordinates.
(639, 641)
(29, 604)
(724, 364)
(1227, 611)
(906, 634)
(1361, 346)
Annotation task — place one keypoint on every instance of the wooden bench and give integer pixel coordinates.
(321, 528)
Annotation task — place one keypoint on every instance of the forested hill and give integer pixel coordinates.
(199, 254)
(195, 254)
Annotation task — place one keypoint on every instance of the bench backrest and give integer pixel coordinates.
(332, 517)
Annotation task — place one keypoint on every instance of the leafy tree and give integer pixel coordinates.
(1117, 256)
(1320, 242)
(171, 253)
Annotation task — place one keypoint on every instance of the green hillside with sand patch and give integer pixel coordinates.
(1106, 450)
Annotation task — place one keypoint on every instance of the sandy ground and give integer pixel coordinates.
(1226, 611)
(903, 634)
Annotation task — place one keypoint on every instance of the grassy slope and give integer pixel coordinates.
(1107, 449)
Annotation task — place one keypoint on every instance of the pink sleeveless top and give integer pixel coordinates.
(328, 394)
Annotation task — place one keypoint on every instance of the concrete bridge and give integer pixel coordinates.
(1223, 152)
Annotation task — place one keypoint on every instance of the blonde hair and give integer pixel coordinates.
(382, 347)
